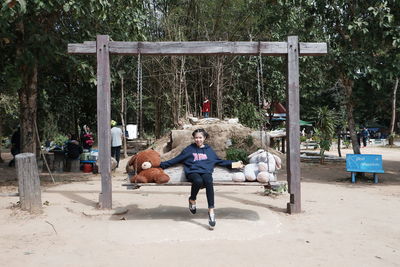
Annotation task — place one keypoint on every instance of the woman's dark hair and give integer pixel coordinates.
(202, 131)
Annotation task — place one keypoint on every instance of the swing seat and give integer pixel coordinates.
(222, 177)
(269, 185)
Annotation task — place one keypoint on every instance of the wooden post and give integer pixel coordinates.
(104, 119)
(28, 182)
(293, 125)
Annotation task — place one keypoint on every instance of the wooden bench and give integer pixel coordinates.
(221, 178)
(276, 185)
(365, 164)
(309, 144)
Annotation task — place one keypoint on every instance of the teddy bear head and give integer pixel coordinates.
(143, 160)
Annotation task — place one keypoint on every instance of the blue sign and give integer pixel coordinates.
(364, 163)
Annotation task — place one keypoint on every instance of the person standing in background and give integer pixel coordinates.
(206, 107)
(73, 148)
(365, 136)
(15, 145)
(116, 141)
(87, 139)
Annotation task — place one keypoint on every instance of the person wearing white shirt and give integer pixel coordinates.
(116, 141)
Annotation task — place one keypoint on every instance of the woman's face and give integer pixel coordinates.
(199, 139)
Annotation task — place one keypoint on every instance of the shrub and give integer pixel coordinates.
(325, 128)
(237, 154)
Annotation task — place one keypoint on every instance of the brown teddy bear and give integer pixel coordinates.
(146, 166)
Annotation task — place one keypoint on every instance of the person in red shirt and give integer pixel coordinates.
(206, 107)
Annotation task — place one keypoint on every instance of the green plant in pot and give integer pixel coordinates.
(59, 141)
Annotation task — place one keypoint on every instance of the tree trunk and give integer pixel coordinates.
(28, 109)
(393, 120)
(1, 134)
(184, 84)
(175, 108)
(158, 114)
(348, 90)
(220, 87)
(27, 94)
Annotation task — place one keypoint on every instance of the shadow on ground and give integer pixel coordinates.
(183, 214)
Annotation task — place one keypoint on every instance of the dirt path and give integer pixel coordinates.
(342, 224)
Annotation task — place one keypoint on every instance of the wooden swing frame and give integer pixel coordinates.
(291, 49)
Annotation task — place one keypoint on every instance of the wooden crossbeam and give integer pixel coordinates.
(200, 48)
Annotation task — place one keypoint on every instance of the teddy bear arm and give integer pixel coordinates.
(139, 179)
(162, 177)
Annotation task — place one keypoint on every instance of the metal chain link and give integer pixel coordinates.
(260, 92)
(138, 92)
(139, 113)
(141, 99)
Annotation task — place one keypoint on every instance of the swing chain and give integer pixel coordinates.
(260, 91)
(139, 115)
(259, 74)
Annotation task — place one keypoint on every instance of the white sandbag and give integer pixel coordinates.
(267, 162)
(238, 177)
(265, 177)
(251, 171)
(278, 162)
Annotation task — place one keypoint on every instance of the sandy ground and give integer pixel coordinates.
(342, 224)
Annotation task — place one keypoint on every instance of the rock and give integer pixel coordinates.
(120, 211)
(232, 121)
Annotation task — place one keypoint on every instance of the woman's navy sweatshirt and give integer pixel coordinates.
(197, 160)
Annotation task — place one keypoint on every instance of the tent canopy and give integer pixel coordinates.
(305, 123)
(302, 123)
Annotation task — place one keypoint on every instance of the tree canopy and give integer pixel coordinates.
(58, 91)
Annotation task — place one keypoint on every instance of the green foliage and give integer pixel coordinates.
(346, 143)
(325, 128)
(241, 147)
(363, 39)
(60, 140)
(236, 154)
(249, 115)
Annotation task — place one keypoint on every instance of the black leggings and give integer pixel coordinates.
(198, 181)
(115, 153)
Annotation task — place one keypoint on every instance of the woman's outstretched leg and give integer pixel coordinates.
(208, 184)
(197, 183)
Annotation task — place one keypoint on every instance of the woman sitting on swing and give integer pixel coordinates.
(199, 160)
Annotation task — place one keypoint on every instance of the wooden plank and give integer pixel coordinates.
(293, 126)
(103, 119)
(313, 49)
(214, 183)
(28, 182)
(199, 48)
(87, 47)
